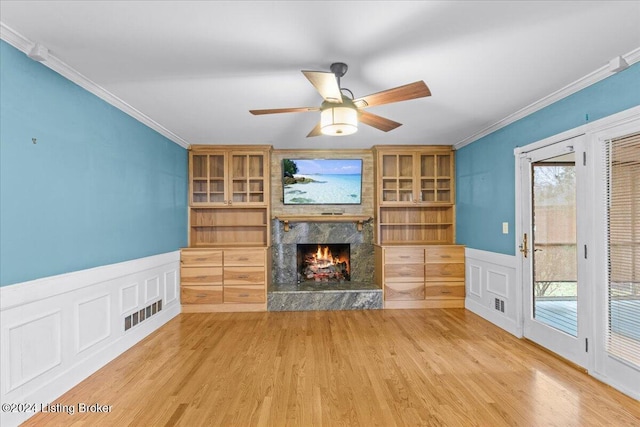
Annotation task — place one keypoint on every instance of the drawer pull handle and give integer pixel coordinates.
(445, 256)
(404, 257)
(243, 295)
(201, 295)
(446, 292)
(244, 276)
(243, 259)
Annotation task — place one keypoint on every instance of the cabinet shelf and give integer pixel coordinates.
(417, 242)
(230, 226)
(426, 224)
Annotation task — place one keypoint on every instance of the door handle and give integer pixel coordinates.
(524, 246)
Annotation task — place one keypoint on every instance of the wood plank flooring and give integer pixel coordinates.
(429, 367)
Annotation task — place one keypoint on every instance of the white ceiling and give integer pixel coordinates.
(198, 67)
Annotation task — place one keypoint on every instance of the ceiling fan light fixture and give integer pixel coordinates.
(339, 120)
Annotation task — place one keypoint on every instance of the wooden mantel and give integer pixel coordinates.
(333, 217)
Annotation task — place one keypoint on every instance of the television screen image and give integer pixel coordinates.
(322, 181)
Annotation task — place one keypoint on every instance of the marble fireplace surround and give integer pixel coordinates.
(286, 294)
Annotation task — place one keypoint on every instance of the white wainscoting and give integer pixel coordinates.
(58, 330)
(490, 275)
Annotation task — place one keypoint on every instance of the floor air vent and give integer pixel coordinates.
(139, 316)
(499, 305)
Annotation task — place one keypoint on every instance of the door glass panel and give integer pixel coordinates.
(623, 238)
(555, 286)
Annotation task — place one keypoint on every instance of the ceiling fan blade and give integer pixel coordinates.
(377, 122)
(326, 84)
(401, 93)
(315, 131)
(283, 110)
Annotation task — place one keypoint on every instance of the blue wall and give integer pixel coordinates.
(97, 188)
(485, 169)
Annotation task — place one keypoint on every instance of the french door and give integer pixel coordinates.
(553, 254)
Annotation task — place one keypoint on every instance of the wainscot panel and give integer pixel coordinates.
(492, 289)
(58, 330)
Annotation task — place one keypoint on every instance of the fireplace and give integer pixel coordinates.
(323, 262)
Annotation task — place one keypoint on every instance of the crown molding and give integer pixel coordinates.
(23, 44)
(594, 77)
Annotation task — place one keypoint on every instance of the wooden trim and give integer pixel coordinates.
(223, 308)
(315, 153)
(358, 219)
(214, 148)
(430, 303)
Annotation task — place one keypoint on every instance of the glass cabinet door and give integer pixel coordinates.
(444, 178)
(207, 179)
(435, 178)
(216, 179)
(397, 178)
(199, 179)
(427, 177)
(247, 178)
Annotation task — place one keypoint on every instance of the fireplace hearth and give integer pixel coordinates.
(323, 262)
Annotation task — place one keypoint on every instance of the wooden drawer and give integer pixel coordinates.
(201, 275)
(404, 273)
(244, 257)
(403, 256)
(404, 291)
(244, 294)
(444, 290)
(444, 254)
(444, 272)
(252, 275)
(201, 294)
(201, 257)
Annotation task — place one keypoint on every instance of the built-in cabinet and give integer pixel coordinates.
(216, 279)
(430, 276)
(225, 266)
(229, 196)
(417, 262)
(415, 195)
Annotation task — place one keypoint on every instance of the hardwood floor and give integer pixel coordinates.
(430, 367)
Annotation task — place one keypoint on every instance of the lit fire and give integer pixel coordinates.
(323, 266)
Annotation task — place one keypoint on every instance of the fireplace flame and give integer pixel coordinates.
(322, 265)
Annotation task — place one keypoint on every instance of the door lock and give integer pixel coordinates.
(524, 246)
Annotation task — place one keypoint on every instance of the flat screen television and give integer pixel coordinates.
(322, 181)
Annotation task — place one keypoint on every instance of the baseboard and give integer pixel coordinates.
(59, 330)
(499, 320)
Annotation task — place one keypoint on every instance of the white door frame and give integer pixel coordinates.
(599, 365)
(572, 348)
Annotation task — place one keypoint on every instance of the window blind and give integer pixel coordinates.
(623, 235)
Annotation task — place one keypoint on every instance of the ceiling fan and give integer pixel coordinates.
(339, 114)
